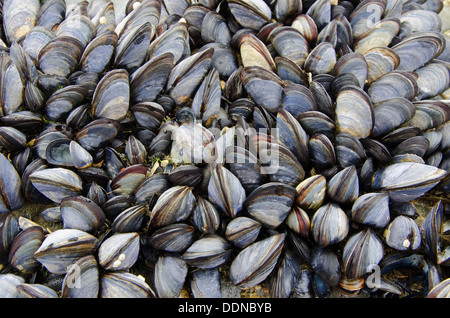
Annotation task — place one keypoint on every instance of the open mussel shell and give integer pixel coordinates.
(62, 248)
(170, 275)
(57, 183)
(176, 238)
(119, 252)
(254, 263)
(23, 248)
(226, 191)
(124, 285)
(418, 49)
(329, 225)
(81, 213)
(174, 205)
(271, 203)
(208, 252)
(406, 181)
(361, 253)
(403, 234)
(83, 279)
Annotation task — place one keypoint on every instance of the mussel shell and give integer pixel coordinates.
(81, 213)
(206, 217)
(132, 48)
(225, 190)
(418, 49)
(23, 247)
(62, 248)
(97, 134)
(407, 180)
(403, 234)
(149, 79)
(187, 75)
(254, 263)
(321, 59)
(311, 192)
(11, 194)
(250, 14)
(124, 285)
(380, 61)
(208, 252)
(98, 53)
(362, 252)
(119, 252)
(35, 291)
(271, 203)
(83, 282)
(112, 95)
(206, 283)
(329, 225)
(60, 56)
(170, 275)
(392, 85)
(354, 112)
(176, 238)
(371, 209)
(57, 183)
(174, 205)
(130, 219)
(242, 231)
(390, 114)
(263, 86)
(343, 187)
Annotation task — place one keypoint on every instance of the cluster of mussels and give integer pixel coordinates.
(182, 145)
